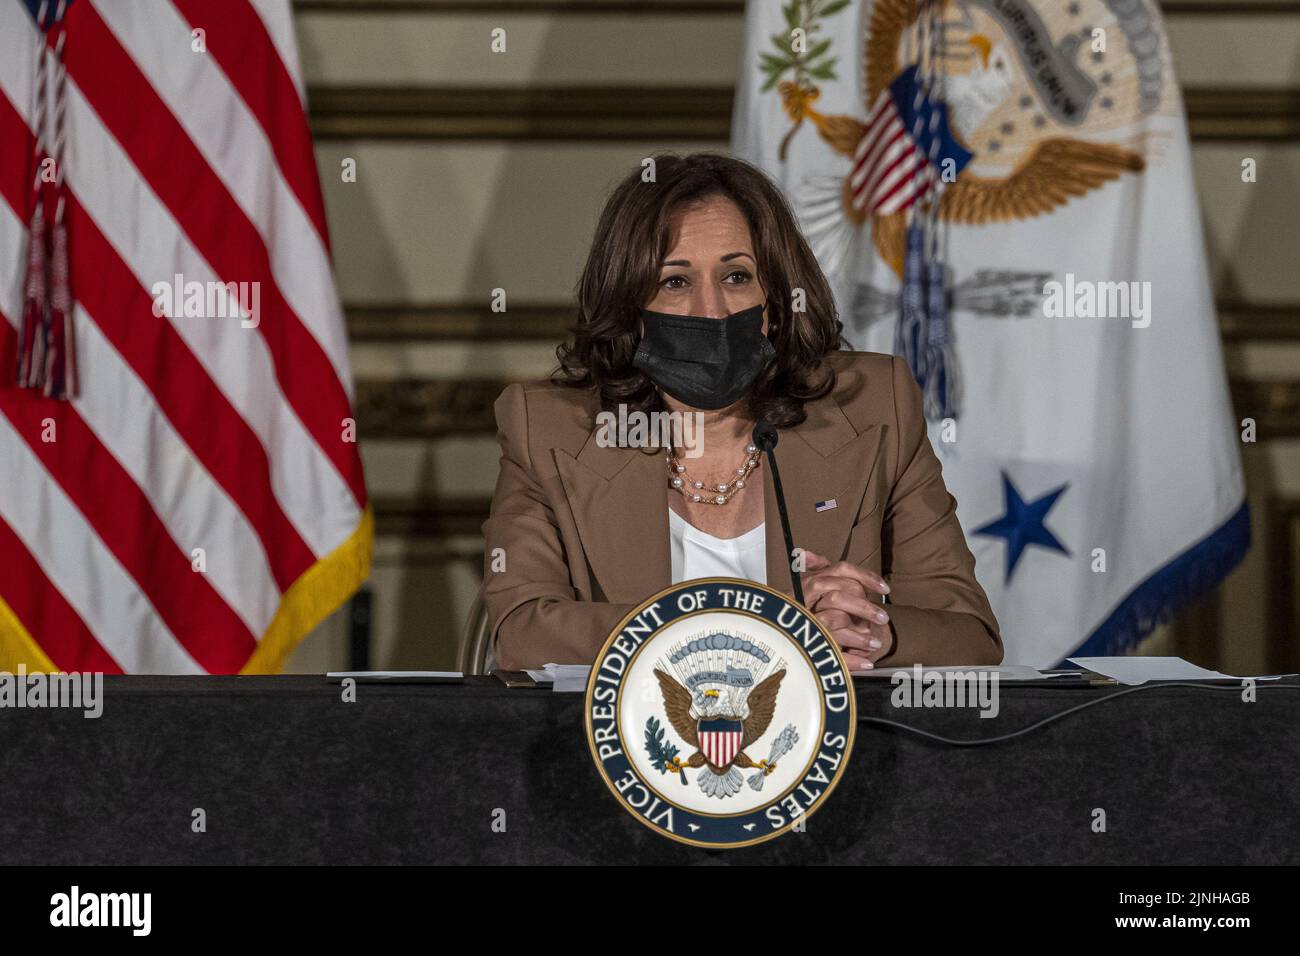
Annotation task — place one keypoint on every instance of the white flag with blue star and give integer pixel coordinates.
(1001, 191)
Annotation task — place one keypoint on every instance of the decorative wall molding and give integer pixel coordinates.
(1283, 548)
(1230, 8)
(429, 517)
(677, 7)
(1226, 114)
(418, 408)
(498, 7)
(671, 113)
(411, 408)
(1275, 406)
(1233, 8)
(1238, 321)
(534, 113)
(432, 323)
(1245, 322)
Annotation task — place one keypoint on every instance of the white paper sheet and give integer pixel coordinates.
(1139, 670)
(1004, 671)
(566, 678)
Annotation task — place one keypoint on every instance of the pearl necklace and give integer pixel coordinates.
(718, 494)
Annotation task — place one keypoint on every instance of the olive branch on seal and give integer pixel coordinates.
(810, 63)
(807, 59)
(661, 753)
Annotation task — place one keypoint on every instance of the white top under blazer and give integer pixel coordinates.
(696, 554)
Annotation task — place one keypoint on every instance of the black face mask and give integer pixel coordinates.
(706, 363)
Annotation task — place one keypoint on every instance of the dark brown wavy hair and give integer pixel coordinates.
(633, 237)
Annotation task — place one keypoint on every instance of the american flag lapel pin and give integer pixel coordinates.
(826, 505)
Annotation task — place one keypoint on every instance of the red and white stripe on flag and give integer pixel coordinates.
(889, 171)
(199, 505)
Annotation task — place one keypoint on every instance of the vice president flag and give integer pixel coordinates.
(180, 487)
(1001, 191)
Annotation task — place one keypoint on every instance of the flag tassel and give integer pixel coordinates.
(31, 350)
(60, 373)
(45, 346)
(940, 382)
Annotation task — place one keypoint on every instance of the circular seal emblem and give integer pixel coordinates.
(719, 713)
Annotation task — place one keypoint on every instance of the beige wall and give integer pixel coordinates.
(497, 200)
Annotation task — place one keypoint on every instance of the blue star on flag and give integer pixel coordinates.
(1022, 524)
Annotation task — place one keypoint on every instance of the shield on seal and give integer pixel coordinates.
(720, 741)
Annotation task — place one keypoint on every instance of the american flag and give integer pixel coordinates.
(197, 503)
(901, 153)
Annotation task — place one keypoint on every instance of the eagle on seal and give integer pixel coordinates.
(722, 734)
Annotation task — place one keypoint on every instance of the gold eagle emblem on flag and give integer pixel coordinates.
(1041, 95)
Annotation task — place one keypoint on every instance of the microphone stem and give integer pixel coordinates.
(785, 525)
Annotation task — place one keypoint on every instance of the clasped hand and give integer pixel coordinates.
(841, 596)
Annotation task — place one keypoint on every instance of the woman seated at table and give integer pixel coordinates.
(700, 295)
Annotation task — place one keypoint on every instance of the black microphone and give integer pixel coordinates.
(765, 438)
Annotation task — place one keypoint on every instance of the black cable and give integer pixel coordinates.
(1054, 717)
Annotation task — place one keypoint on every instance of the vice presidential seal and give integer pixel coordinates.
(719, 713)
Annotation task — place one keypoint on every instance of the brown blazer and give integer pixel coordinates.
(583, 529)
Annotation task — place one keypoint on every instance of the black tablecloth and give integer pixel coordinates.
(286, 772)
